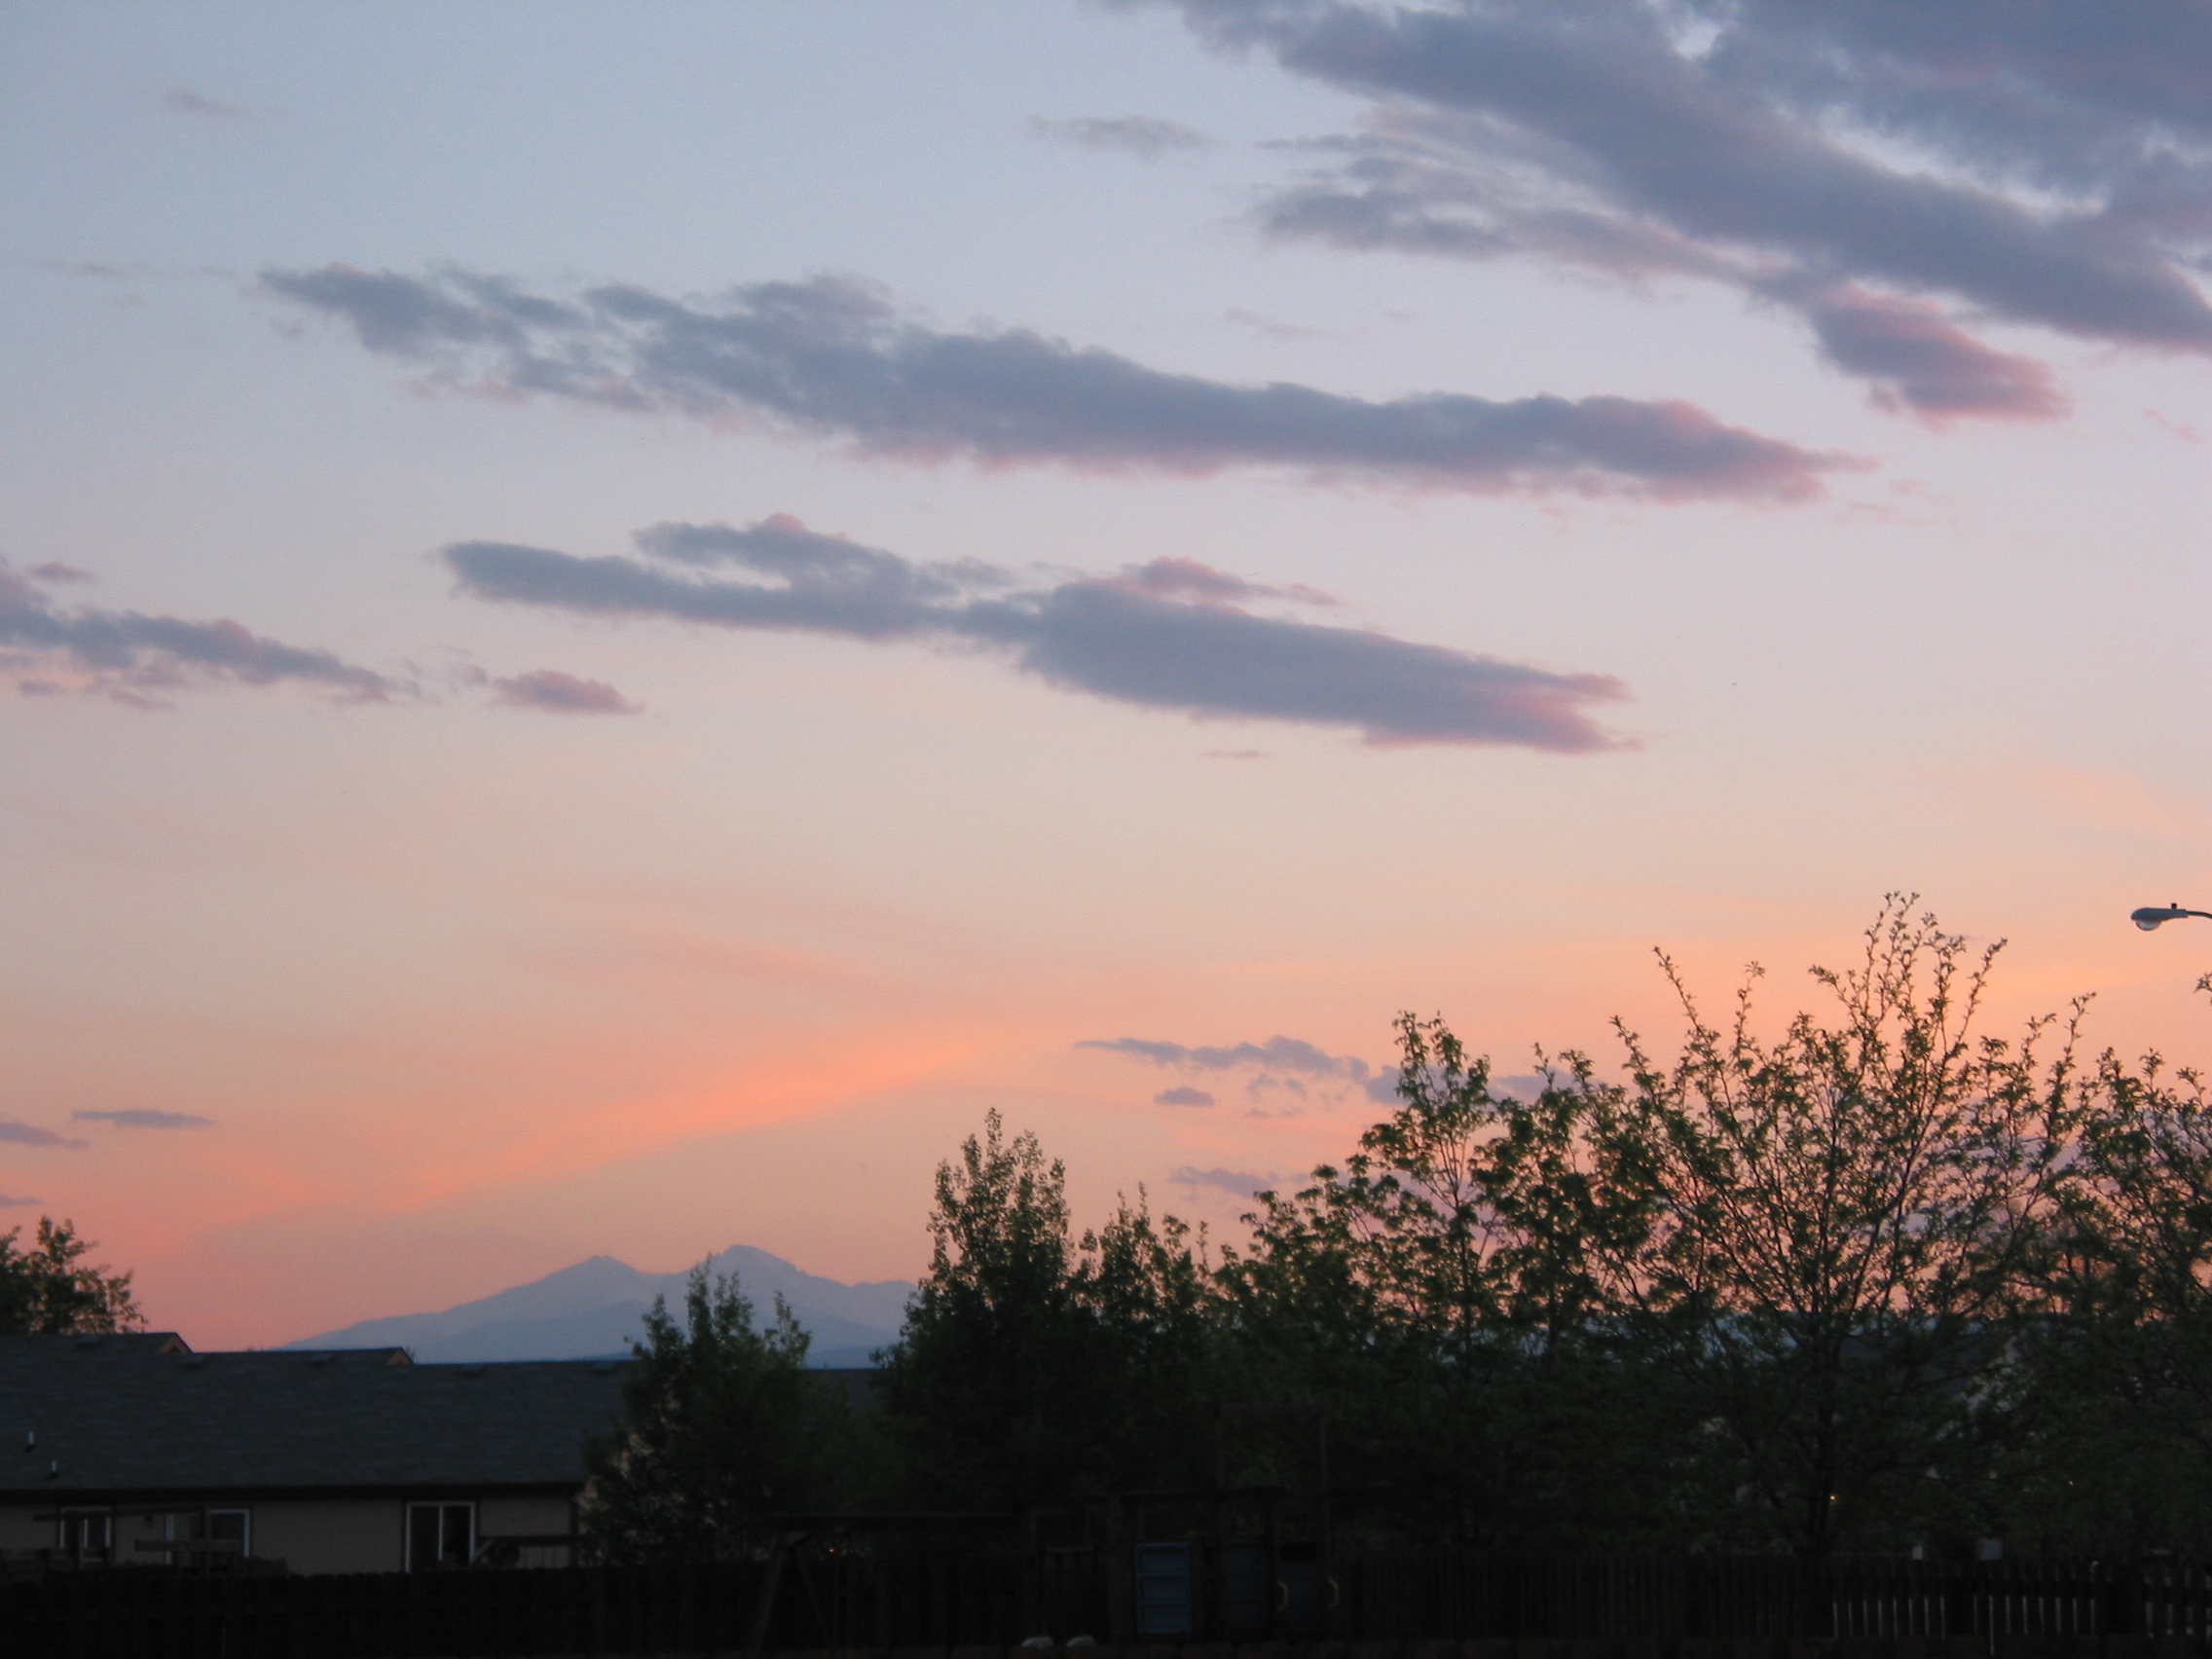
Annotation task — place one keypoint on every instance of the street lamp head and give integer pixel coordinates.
(2151, 915)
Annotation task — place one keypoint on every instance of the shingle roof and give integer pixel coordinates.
(138, 1414)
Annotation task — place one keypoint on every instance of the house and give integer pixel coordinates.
(132, 1448)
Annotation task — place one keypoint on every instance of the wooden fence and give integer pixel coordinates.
(1396, 1605)
(1725, 1599)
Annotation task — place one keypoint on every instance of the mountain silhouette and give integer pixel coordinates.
(598, 1305)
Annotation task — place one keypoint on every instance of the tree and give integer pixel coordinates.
(2123, 1354)
(1150, 1304)
(1836, 1224)
(1434, 1297)
(1766, 1294)
(1869, 1278)
(723, 1427)
(50, 1290)
(1032, 1365)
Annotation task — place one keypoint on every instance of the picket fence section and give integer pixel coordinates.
(1442, 1604)
(1730, 1597)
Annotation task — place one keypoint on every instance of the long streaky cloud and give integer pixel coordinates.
(1239, 1183)
(18, 1133)
(550, 691)
(1292, 1054)
(1143, 135)
(183, 100)
(1182, 1097)
(1277, 1053)
(1159, 636)
(134, 658)
(2047, 165)
(145, 1117)
(832, 357)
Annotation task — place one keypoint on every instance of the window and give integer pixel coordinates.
(236, 1525)
(86, 1534)
(440, 1535)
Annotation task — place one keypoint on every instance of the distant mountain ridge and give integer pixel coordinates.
(597, 1307)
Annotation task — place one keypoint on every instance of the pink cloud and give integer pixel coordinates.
(1922, 363)
(1188, 578)
(554, 692)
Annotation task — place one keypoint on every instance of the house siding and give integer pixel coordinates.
(346, 1535)
(309, 1534)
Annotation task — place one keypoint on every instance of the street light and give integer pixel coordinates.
(2151, 915)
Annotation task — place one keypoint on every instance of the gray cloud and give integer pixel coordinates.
(551, 691)
(832, 357)
(1186, 579)
(1184, 1096)
(7, 1202)
(134, 657)
(1920, 362)
(136, 271)
(1270, 1059)
(1143, 135)
(1159, 637)
(1277, 1053)
(2043, 164)
(146, 1118)
(2077, 91)
(1236, 1181)
(30, 1134)
(1275, 328)
(183, 100)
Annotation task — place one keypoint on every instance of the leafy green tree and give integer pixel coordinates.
(724, 1428)
(1434, 1297)
(1149, 1301)
(49, 1290)
(1769, 1294)
(1837, 1225)
(981, 1389)
(2122, 1460)
(1869, 1278)
(1033, 1365)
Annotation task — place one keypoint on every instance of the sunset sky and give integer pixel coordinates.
(617, 619)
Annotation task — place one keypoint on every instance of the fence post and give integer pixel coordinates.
(756, 1635)
(2123, 1601)
(1810, 1608)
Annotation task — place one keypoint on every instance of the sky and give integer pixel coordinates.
(618, 620)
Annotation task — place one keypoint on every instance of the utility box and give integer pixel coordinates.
(1166, 1589)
